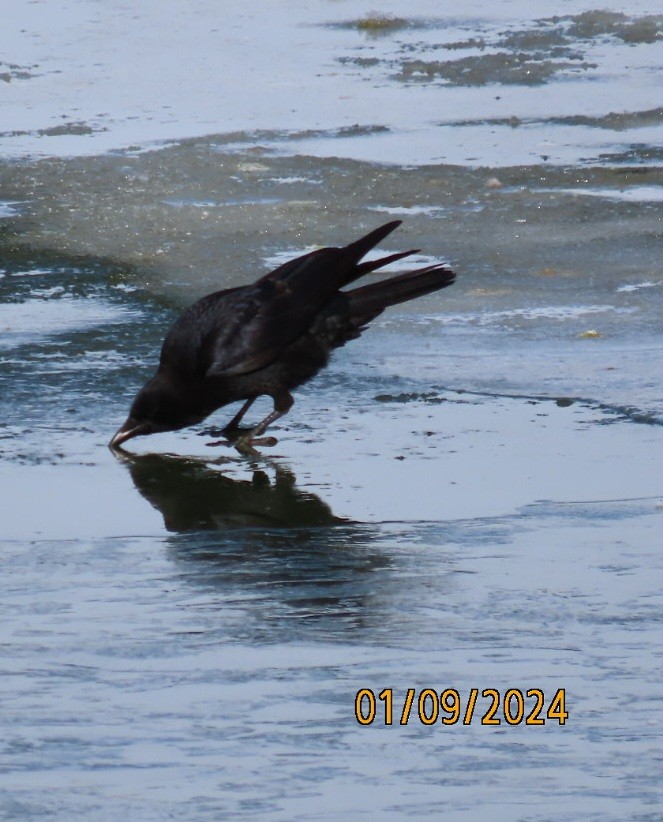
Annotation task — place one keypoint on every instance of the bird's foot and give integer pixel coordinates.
(246, 445)
(243, 441)
(212, 431)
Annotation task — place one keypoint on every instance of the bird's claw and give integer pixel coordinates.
(244, 443)
(267, 442)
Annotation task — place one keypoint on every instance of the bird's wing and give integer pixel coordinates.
(273, 313)
(282, 305)
(243, 329)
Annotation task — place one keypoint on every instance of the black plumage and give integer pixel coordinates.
(269, 337)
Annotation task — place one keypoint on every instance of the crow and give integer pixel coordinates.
(268, 338)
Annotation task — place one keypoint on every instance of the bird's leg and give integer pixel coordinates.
(233, 425)
(283, 402)
(231, 430)
(245, 440)
(245, 443)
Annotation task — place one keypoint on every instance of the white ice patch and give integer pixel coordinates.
(488, 318)
(625, 289)
(85, 362)
(7, 208)
(409, 211)
(291, 180)
(25, 322)
(127, 289)
(632, 194)
(281, 257)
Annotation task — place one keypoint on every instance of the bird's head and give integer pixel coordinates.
(157, 407)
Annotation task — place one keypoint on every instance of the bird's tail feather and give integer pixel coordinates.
(368, 301)
(328, 269)
(351, 254)
(372, 265)
(356, 250)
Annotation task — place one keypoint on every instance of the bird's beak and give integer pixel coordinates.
(131, 428)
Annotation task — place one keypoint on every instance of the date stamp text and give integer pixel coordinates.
(448, 707)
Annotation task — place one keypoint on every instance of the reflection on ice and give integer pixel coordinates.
(193, 494)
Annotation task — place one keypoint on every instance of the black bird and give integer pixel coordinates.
(268, 338)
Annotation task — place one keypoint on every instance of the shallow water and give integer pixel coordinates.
(188, 634)
(469, 497)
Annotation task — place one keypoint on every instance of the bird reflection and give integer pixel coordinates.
(270, 551)
(192, 496)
